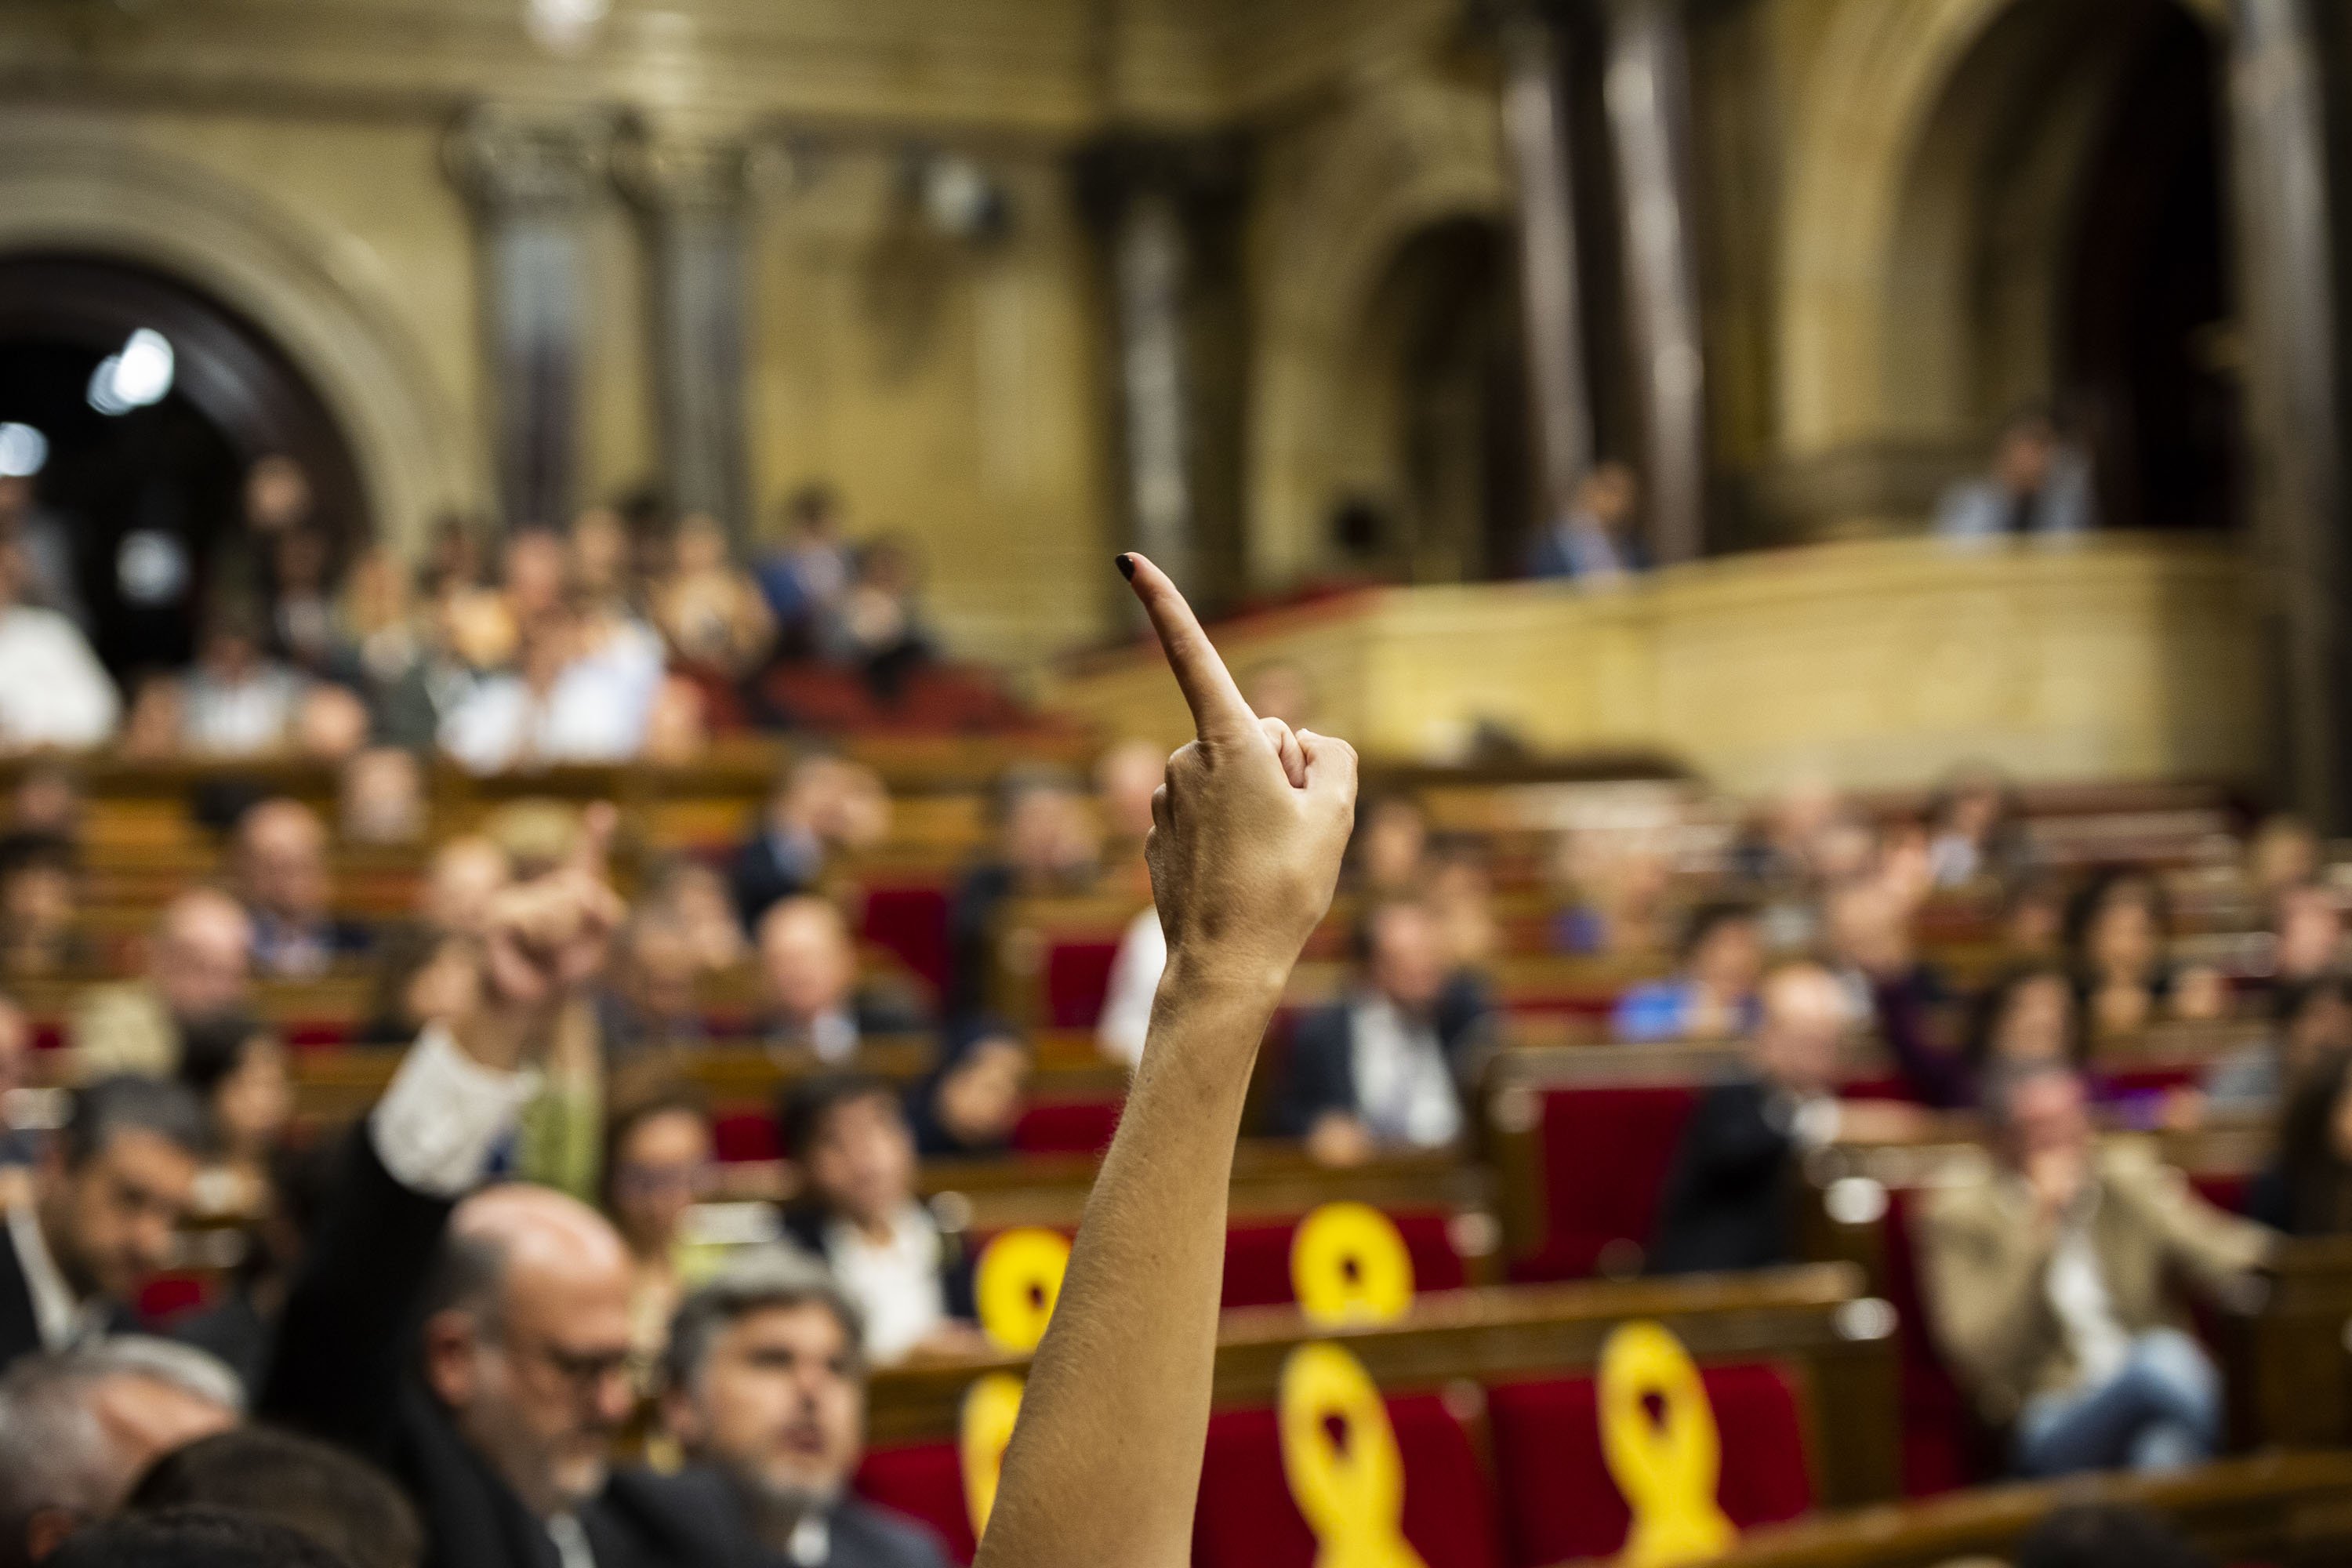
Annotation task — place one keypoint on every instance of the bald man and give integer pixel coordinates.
(809, 961)
(1729, 1203)
(199, 966)
(498, 1414)
(289, 890)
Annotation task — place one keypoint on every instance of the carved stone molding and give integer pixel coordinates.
(505, 160)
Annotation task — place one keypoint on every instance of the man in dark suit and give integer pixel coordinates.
(498, 1413)
(787, 855)
(815, 1001)
(104, 1204)
(767, 1395)
(287, 889)
(1730, 1196)
(1381, 1067)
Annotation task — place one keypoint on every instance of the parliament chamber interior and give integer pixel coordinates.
(581, 799)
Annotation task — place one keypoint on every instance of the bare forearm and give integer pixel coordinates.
(1106, 1457)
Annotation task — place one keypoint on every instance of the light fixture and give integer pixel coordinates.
(565, 26)
(23, 451)
(136, 376)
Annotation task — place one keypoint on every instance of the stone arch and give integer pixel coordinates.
(1901, 107)
(91, 190)
(1339, 201)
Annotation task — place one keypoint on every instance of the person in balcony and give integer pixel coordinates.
(1592, 538)
(2039, 485)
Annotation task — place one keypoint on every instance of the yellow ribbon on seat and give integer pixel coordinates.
(1016, 1284)
(1667, 1466)
(1348, 1265)
(1018, 1280)
(1350, 1486)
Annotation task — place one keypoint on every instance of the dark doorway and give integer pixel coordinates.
(2147, 366)
(170, 470)
(1450, 302)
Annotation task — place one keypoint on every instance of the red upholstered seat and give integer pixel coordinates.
(1066, 1126)
(911, 922)
(1257, 1258)
(1247, 1519)
(1558, 1499)
(745, 1135)
(1605, 1152)
(924, 1481)
(1078, 978)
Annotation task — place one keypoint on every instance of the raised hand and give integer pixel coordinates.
(1248, 829)
(544, 941)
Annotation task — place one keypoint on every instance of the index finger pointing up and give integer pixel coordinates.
(1218, 712)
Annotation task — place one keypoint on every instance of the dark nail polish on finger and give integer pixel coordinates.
(1126, 567)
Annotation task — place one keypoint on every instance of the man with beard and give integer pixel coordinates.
(767, 1395)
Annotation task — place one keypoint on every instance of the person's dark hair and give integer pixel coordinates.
(467, 1276)
(2094, 896)
(127, 1103)
(1706, 919)
(2001, 1084)
(812, 504)
(1365, 926)
(808, 1105)
(333, 1498)
(2104, 1535)
(213, 1047)
(2290, 1000)
(668, 1096)
(1992, 1004)
(22, 852)
(771, 1278)
(192, 1538)
(2318, 1180)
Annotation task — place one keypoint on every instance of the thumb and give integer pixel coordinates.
(1330, 766)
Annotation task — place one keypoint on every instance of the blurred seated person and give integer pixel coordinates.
(47, 798)
(2048, 1274)
(1462, 896)
(1382, 1068)
(305, 625)
(805, 577)
(1590, 538)
(279, 857)
(657, 1163)
(697, 897)
(17, 1147)
(1127, 775)
(2312, 1024)
(199, 964)
(1712, 994)
(1873, 945)
(1975, 830)
(796, 837)
(237, 1065)
(337, 1502)
(1279, 689)
(44, 543)
(653, 1001)
(860, 1214)
(381, 797)
(809, 962)
(564, 701)
(2306, 1190)
(40, 894)
(238, 702)
(1387, 853)
(53, 690)
(79, 1426)
(2032, 920)
(767, 1398)
(422, 976)
(1728, 1202)
(464, 875)
(2039, 484)
(1618, 884)
(1046, 844)
(2283, 853)
(240, 1325)
(969, 1106)
(2028, 1015)
(2308, 928)
(876, 624)
(2118, 935)
(100, 1215)
(708, 609)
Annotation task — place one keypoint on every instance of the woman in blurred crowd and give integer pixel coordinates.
(658, 1153)
(1975, 832)
(2029, 1014)
(2117, 936)
(968, 1108)
(1712, 994)
(2307, 1191)
(237, 1064)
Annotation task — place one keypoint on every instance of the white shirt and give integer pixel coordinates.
(1134, 982)
(594, 712)
(572, 1548)
(2078, 1295)
(895, 1283)
(61, 1319)
(443, 1117)
(1405, 1090)
(253, 715)
(52, 691)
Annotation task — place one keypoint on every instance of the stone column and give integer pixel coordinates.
(1535, 129)
(529, 180)
(1648, 93)
(2277, 123)
(693, 198)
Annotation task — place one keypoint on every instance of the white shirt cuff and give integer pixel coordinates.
(441, 1119)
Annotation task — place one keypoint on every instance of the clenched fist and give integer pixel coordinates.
(544, 941)
(1249, 828)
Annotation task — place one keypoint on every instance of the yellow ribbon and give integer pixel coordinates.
(1350, 1487)
(1348, 1265)
(989, 1407)
(1665, 1466)
(1016, 1284)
